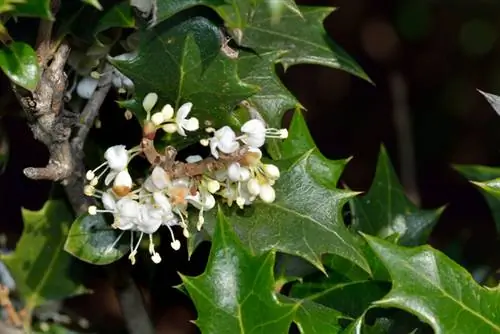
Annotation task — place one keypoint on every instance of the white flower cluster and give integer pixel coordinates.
(162, 199)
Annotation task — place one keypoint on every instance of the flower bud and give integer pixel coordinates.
(149, 130)
(149, 101)
(253, 187)
(267, 193)
(271, 171)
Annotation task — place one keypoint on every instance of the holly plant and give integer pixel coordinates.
(164, 125)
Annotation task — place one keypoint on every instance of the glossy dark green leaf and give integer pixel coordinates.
(93, 240)
(297, 222)
(86, 22)
(488, 180)
(273, 99)
(427, 283)
(253, 24)
(34, 8)
(348, 296)
(385, 210)
(39, 265)
(313, 318)
(236, 294)
(19, 62)
(181, 61)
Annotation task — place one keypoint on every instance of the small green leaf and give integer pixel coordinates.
(441, 293)
(299, 33)
(33, 8)
(385, 210)
(273, 99)
(488, 180)
(19, 62)
(91, 239)
(86, 22)
(351, 297)
(39, 265)
(313, 318)
(181, 61)
(235, 293)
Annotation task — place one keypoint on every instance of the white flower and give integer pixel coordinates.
(86, 87)
(271, 171)
(117, 159)
(183, 123)
(224, 140)
(255, 133)
(253, 187)
(203, 201)
(267, 193)
(123, 183)
(150, 219)
(237, 173)
(158, 180)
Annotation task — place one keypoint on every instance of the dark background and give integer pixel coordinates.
(438, 51)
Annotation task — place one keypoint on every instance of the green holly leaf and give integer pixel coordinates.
(32, 8)
(350, 297)
(297, 223)
(427, 283)
(93, 240)
(488, 181)
(87, 22)
(19, 62)
(181, 61)
(313, 318)
(253, 24)
(385, 210)
(236, 294)
(273, 99)
(39, 265)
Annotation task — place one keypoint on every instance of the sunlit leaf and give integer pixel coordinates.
(236, 294)
(20, 63)
(441, 293)
(254, 24)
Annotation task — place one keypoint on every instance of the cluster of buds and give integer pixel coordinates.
(173, 189)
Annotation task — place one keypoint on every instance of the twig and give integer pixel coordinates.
(44, 37)
(49, 125)
(5, 302)
(91, 109)
(402, 123)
